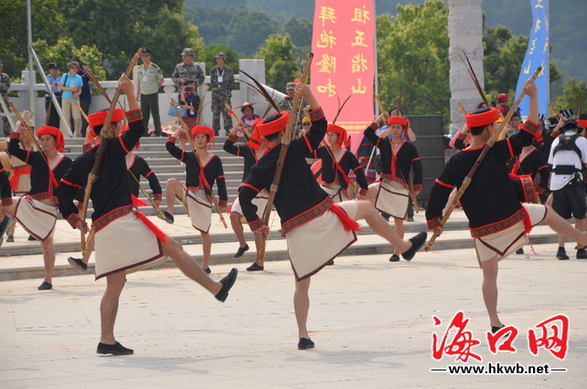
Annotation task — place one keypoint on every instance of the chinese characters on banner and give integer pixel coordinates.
(344, 62)
(552, 335)
(536, 55)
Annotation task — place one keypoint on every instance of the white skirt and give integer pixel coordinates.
(199, 209)
(126, 244)
(313, 244)
(509, 240)
(260, 201)
(36, 217)
(392, 198)
(335, 192)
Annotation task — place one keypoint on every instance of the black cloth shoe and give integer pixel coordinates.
(32, 238)
(114, 349)
(520, 250)
(561, 254)
(45, 286)
(417, 243)
(76, 262)
(582, 253)
(410, 218)
(494, 329)
(330, 263)
(255, 267)
(207, 270)
(394, 258)
(241, 251)
(227, 283)
(10, 239)
(304, 344)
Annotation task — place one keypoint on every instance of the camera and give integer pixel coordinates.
(189, 89)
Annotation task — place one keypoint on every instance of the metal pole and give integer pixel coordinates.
(53, 97)
(30, 45)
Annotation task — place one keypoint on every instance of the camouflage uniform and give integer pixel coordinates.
(191, 72)
(221, 94)
(286, 106)
(4, 87)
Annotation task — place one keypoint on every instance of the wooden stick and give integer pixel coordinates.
(285, 141)
(193, 148)
(160, 214)
(467, 180)
(106, 134)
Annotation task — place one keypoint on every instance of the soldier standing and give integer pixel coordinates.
(187, 70)
(222, 81)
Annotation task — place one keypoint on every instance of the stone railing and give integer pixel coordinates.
(254, 67)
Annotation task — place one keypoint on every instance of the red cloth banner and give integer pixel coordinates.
(344, 62)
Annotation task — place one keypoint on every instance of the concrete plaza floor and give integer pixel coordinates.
(372, 322)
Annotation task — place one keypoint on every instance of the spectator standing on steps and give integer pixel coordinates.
(222, 82)
(150, 79)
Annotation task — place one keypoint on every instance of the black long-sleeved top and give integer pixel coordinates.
(111, 196)
(140, 168)
(241, 151)
(490, 202)
(213, 171)
(43, 181)
(299, 197)
(532, 164)
(341, 168)
(5, 191)
(397, 167)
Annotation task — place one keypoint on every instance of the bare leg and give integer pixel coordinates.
(372, 192)
(89, 250)
(259, 242)
(365, 210)
(580, 225)
(189, 266)
(174, 190)
(489, 288)
(302, 306)
(237, 227)
(48, 258)
(109, 305)
(399, 229)
(561, 226)
(206, 248)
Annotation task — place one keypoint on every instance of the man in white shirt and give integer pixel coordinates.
(568, 156)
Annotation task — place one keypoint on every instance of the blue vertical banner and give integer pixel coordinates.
(536, 55)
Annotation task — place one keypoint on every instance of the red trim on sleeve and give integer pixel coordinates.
(70, 183)
(148, 174)
(249, 186)
(130, 115)
(415, 159)
(444, 184)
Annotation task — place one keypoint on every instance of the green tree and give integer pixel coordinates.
(209, 54)
(280, 67)
(574, 96)
(412, 53)
(46, 18)
(248, 30)
(119, 28)
(300, 31)
(63, 51)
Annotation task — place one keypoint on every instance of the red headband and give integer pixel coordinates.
(48, 130)
(256, 141)
(399, 120)
(273, 126)
(337, 130)
(98, 118)
(203, 130)
(482, 119)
